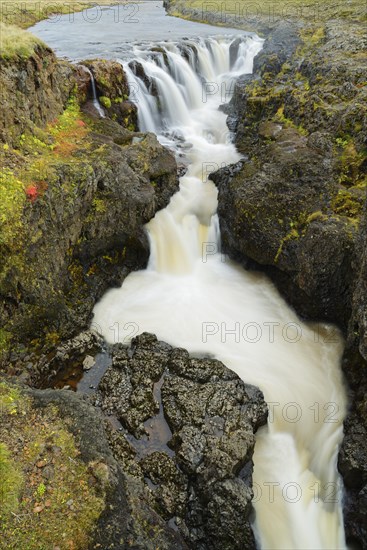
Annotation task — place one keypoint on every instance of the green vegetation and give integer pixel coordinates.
(10, 485)
(47, 498)
(351, 173)
(347, 204)
(15, 42)
(30, 174)
(298, 228)
(105, 101)
(269, 11)
(288, 123)
(26, 13)
(12, 199)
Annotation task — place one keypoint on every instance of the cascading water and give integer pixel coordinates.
(193, 297)
(96, 103)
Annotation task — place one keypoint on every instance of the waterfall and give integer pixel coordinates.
(192, 296)
(96, 103)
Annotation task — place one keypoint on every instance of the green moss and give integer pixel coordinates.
(39, 512)
(118, 100)
(5, 338)
(99, 205)
(288, 123)
(104, 82)
(10, 485)
(292, 234)
(346, 204)
(350, 164)
(9, 399)
(105, 101)
(12, 201)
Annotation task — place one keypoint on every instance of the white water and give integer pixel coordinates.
(192, 297)
(95, 100)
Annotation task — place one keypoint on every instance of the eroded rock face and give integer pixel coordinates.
(33, 91)
(353, 455)
(113, 92)
(80, 244)
(82, 230)
(187, 428)
(129, 518)
(294, 207)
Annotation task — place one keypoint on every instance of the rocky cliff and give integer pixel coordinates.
(76, 192)
(295, 206)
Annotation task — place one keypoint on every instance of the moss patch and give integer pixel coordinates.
(49, 495)
(105, 101)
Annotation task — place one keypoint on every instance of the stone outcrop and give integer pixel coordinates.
(187, 428)
(295, 206)
(173, 435)
(83, 188)
(112, 90)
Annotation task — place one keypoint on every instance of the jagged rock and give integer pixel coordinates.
(200, 420)
(295, 208)
(129, 518)
(33, 92)
(77, 248)
(83, 82)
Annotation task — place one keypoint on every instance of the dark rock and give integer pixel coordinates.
(83, 82)
(212, 416)
(39, 88)
(129, 514)
(295, 208)
(113, 92)
(78, 248)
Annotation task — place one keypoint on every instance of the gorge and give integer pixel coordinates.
(182, 281)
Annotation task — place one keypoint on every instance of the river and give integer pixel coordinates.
(192, 296)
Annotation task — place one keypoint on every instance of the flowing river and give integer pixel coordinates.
(192, 296)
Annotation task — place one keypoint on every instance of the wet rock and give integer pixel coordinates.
(88, 362)
(98, 238)
(212, 416)
(83, 81)
(296, 207)
(113, 92)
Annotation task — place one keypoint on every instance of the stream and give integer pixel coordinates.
(192, 296)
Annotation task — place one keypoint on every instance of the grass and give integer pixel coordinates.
(10, 484)
(26, 13)
(270, 10)
(14, 42)
(47, 496)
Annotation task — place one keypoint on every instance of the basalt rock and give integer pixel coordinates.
(129, 518)
(33, 92)
(113, 91)
(353, 455)
(186, 427)
(295, 206)
(80, 246)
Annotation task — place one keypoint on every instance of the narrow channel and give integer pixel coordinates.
(192, 296)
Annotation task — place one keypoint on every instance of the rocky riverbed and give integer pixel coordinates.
(166, 442)
(296, 207)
